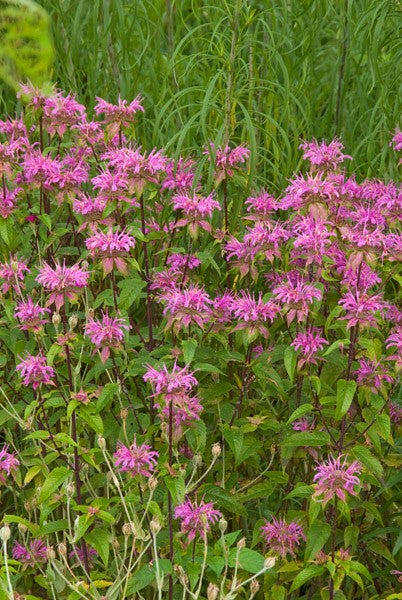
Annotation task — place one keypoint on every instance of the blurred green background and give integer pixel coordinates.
(265, 72)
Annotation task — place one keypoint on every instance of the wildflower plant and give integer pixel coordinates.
(200, 390)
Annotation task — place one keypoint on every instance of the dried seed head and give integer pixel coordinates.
(216, 450)
(70, 489)
(241, 543)
(72, 322)
(62, 549)
(152, 483)
(181, 574)
(197, 459)
(124, 413)
(254, 586)
(56, 319)
(116, 544)
(155, 525)
(128, 528)
(101, 442)
(269, 562)
(223, 524)
(22, 528)
(212, 591)
(50, 553)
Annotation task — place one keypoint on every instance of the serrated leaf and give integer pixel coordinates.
(105, 397)
(99, 539)
(176, 487)
(308, 573)
(306, 438)
(189, 347)
(363, 455)
(52, 482)
(249, 560)
(317, 536)
(290, 360)
(223, 498)
(345, 391)
(300, 412)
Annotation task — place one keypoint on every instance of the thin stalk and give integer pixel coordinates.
(170, 508)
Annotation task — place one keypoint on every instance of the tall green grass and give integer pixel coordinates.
(266, 72)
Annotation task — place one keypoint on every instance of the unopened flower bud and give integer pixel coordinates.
(254, 587)
(241, 543)
(216, 450)
(269, 562)
(152, 483)
(56, 320)
(101, 442)
(155, 525)
(50, 553)
(70, 489)
(62, 549)
(197, 459)
(72, 322)
(22, 528)
(128, 528)
(5, 533)
(212, 591)
(223, 524)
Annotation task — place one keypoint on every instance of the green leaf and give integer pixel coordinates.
(317, 536)
(93, 420)
(223, 498)
(145, 576)
(176, 487)
(52, 482)
(308, 573)
(108, 392)
(363, 455)
(306, 438)
(299, 412)
(207, 368)
(189, 347)
(350, 536)
(249, 560)
(99, 539)
(345, 391)
(290, 360)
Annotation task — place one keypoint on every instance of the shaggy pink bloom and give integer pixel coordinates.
(253, 313)
(195, 208)
(136, 166)
(361, 308)
(35, 96)
(135, 459)
(166, 281)
(118, 115)
(196, 518)
(315, 193)
(222, 310)
(181, 262)
(30, 315)
(61, 112)
(372, 374)
(89, 132)
(296, 294)
(106, 334)
(36, 554)
(335, 478)
(226, 159)
(13, 273)
(393, 247)
(267, 238)
(282, 537)
(63, 282)
(244, 254)
(322, 156)
(92, 210)
(397, 140)
(40, 170)
(78, 554)
(8, 201)
(35, 370)
(179, 175)
(395, 341)
(8, 463)
(302, 425)
(261, 207)
(309, 343)
(111, 247)
(312, 239)
(363, 277)
(186, 306)
(180, 379)
(185, 410)
(113, 185)
(395, 412)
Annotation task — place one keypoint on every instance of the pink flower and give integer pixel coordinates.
(37, 553)
(372, 374)
(312, 239)
(397, 140)
(222, 310)
(186, 306)
(35, 96)
(261, 207)
(120, 114)
(30, 314)
(395, 412)
(113, 185)
(395, 341)
(106, 334)
(227, 159)
(179, 175)
(361, 308)
(302, 425)
(309, 343)
(13, 273)
(92, 210)
(8, 201)
(314, 193)
(253, 313)
(181, 262)
(63, 282)
(335, 478)
(195, 209)
(135, 459)
(296, 294)
(282, 537)
(179, 380)
(111, 247)
(323, 156)
(267, 239)
(196, 518)
(35, 370)
(61, 112)
(8, 463)
(245, 254)
(136, 167)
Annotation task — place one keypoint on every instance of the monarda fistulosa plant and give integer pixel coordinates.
(199, 394)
